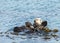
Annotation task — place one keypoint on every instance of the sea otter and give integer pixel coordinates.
(39, 24)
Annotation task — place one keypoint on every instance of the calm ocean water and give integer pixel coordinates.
(17, 12)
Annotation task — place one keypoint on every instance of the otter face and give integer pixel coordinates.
(38, 21)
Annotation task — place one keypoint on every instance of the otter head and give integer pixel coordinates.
(38, 21)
